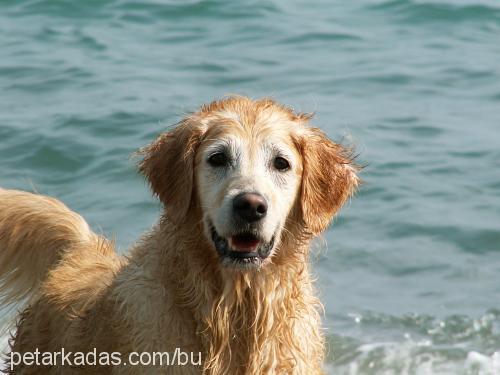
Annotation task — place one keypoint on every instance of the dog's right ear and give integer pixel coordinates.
(168, 164)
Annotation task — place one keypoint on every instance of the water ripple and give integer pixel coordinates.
(413, 11)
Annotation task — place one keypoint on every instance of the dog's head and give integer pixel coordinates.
(250, 168)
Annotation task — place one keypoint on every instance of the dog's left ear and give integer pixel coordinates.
(329, 178)
(168, 164)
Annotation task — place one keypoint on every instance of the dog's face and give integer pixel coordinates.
(247, 178)
(248, 165)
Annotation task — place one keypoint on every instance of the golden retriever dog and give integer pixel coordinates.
(225, 274)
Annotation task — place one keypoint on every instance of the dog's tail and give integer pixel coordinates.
(35, 233)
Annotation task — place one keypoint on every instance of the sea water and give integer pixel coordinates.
(409, 272)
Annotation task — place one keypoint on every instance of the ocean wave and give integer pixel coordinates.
(417, 358)
(457, 344)
(423, 11)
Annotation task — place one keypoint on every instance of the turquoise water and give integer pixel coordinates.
(411, 276)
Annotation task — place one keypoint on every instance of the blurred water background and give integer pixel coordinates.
(411, 277)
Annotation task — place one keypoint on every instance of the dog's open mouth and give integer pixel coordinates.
(245, 242)
(243, 248)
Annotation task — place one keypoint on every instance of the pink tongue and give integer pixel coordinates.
(243, 245)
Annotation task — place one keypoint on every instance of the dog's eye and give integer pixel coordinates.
(281, 164)
(218, 159)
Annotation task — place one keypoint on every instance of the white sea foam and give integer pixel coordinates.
(416, 358)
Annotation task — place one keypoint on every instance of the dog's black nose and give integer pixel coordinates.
(250, 206)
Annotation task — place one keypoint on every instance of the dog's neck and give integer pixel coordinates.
(247, 319)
